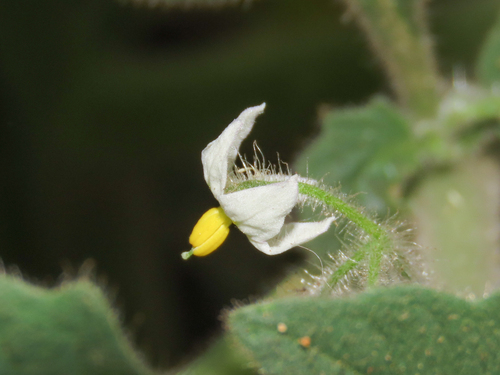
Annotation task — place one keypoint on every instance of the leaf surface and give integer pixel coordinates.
(368, 149)
(400, 330)
(69, 330)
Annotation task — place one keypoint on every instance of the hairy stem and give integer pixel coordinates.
(345, 268)
(398, 34)
(374, 242)
(337, 204)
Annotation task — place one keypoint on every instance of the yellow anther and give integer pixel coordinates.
(208, 233)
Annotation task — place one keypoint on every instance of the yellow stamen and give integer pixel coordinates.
(208, 233)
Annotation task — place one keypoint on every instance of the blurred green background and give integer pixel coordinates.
(105, 108)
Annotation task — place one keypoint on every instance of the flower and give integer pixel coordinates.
(259, 212)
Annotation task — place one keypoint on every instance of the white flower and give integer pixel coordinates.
(259, 212)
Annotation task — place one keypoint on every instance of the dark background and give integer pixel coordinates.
(105, 108)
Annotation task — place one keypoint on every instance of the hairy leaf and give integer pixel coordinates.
(400, 330)
(69, 330)
(219, 359)
(368, 149)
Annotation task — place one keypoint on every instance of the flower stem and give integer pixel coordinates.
(372, 246)
(373, 242)
(346, 267)
(337, 204)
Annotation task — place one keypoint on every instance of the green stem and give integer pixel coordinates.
(456, 213)
(337, 204)
(375, 246)
(345, 268)
(398, 34)
(374, 263)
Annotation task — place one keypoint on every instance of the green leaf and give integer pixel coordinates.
(369, 149)
(488, 64)
(68, 330)
(465, 108)
(219, 359)
(400, 330)
(467, 120)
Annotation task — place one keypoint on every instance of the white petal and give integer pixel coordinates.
(219, 156)
(293, 234)
(260, 212)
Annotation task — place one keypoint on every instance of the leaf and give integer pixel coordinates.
(488, 64)
(369, 149)
(69, 330)
(465, 108)
(400, 330)
(220, 359)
